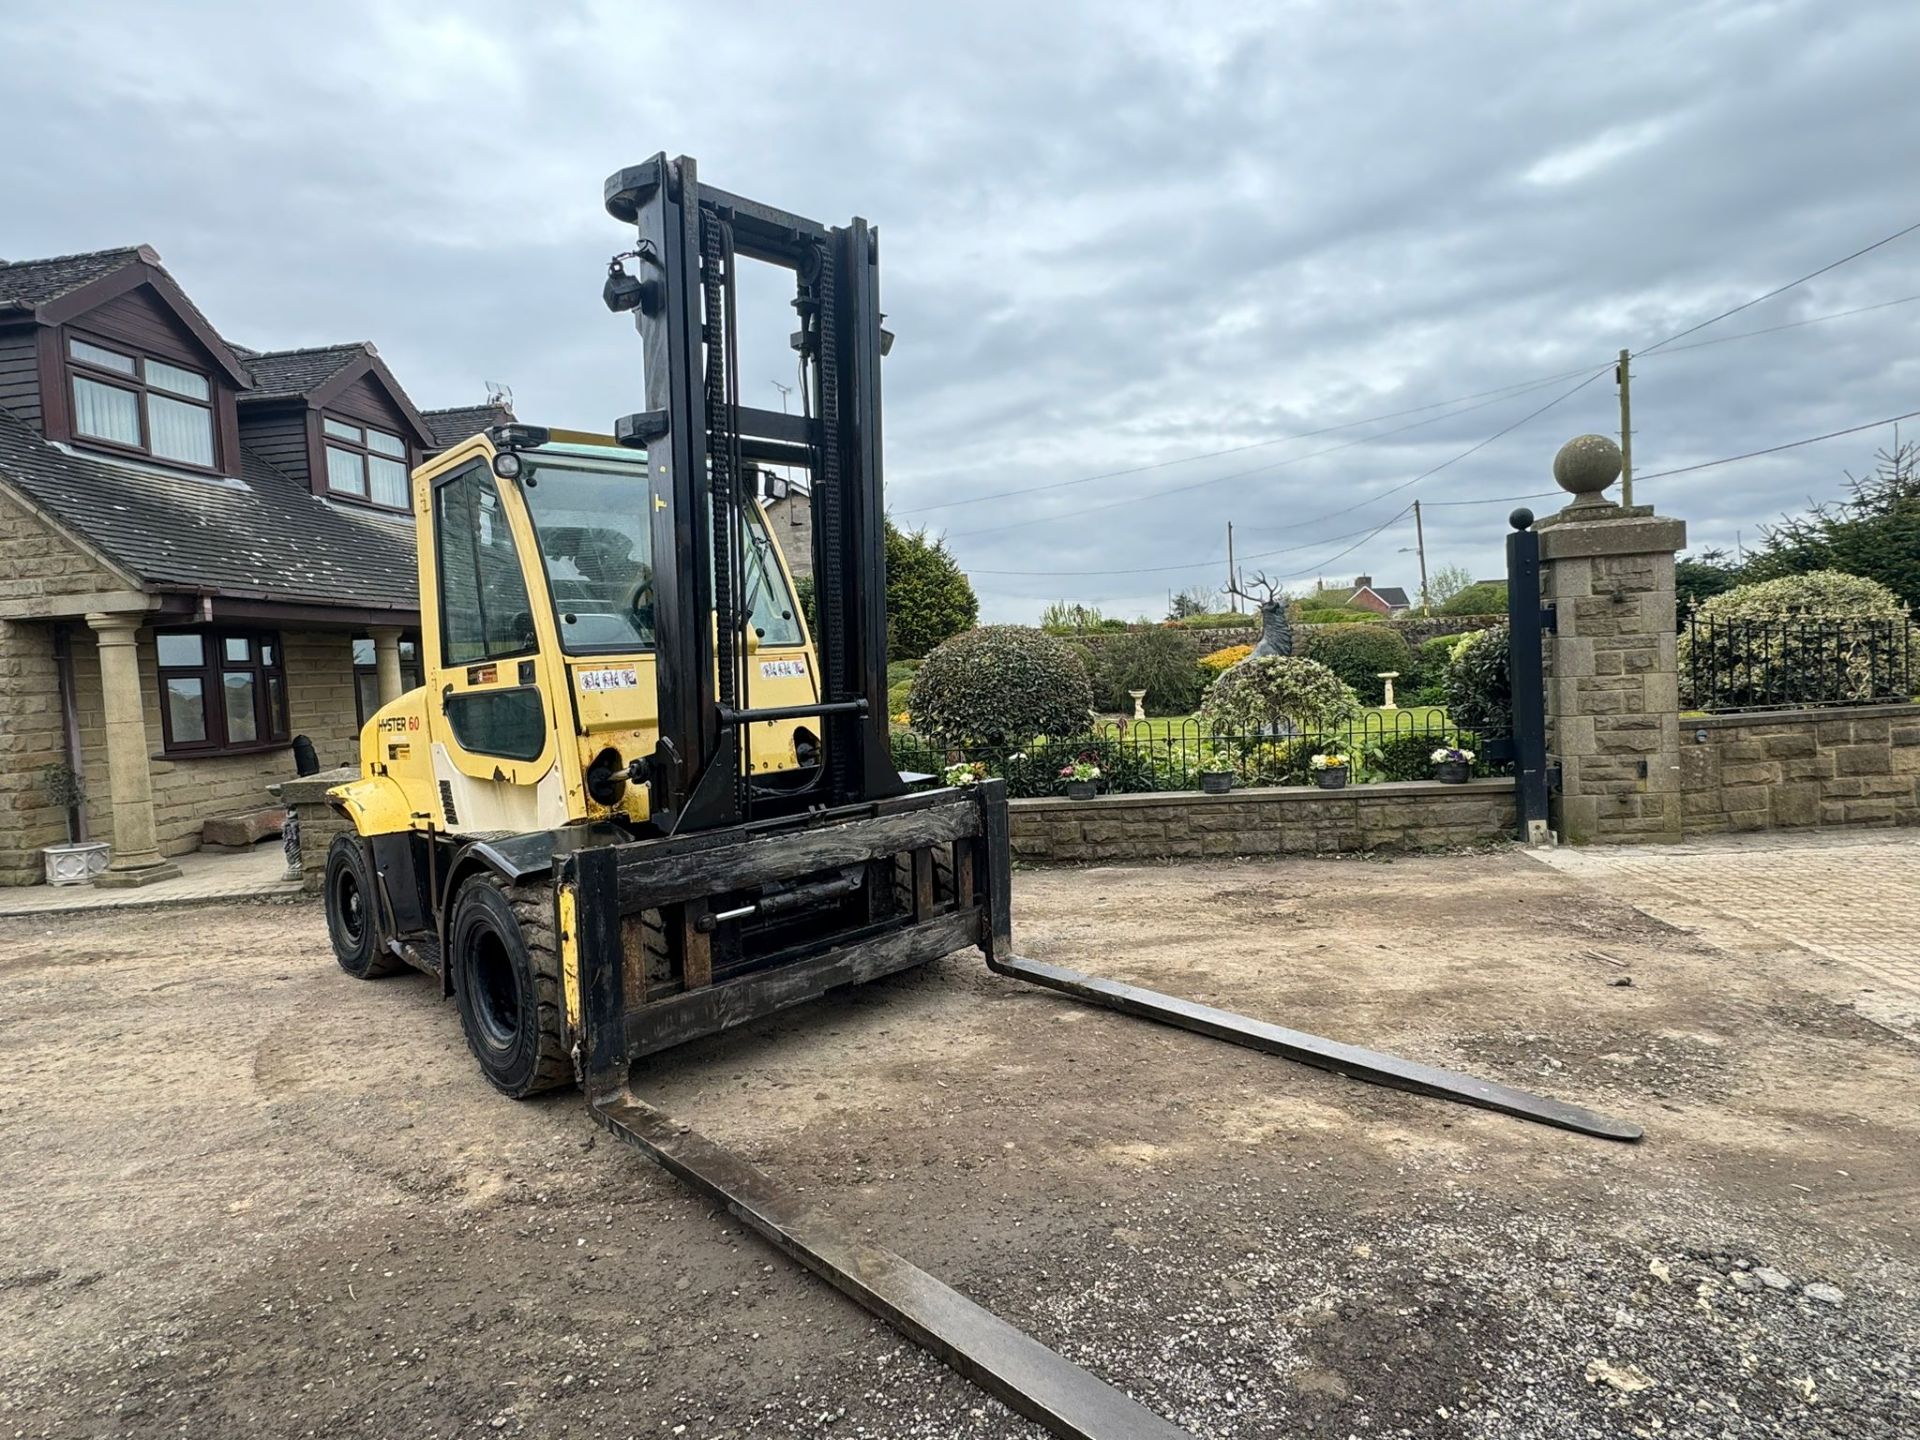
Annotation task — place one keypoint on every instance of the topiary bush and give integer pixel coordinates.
(1279, 687)
(1821, 636)
(1479, 685)
(1224, 659)
(1000, 685)
(1158, 661)
(1358, 653)
(1428, 685)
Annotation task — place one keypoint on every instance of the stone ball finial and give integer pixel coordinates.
(1585, 467)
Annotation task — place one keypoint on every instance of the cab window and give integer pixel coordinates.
(596, 539)
(484, 611)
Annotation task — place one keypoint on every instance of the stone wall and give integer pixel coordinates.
(1278, 820)
(36, 563)
(186, 791)
(1778, 770)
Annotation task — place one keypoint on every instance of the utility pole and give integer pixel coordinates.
(1233, 594)
(1420, 544)
(1625, 376)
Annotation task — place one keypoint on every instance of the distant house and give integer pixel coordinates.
(1363, 594)
(205, 550)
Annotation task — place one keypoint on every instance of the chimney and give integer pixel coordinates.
(1363, 582)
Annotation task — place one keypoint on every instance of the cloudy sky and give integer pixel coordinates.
(1217, 241)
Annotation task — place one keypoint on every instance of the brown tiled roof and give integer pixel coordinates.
(261, 535)
(281, 374)
(457, 422)
(27, 283)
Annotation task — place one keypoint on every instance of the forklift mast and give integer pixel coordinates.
(703, 444)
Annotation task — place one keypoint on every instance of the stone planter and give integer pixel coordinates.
(1331, 779)
(75, 864)
(1216, 782)
(1080, 790)
(1451, 772)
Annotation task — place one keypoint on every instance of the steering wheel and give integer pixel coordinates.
(640, 604)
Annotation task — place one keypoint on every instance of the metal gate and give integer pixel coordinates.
(1527, 621)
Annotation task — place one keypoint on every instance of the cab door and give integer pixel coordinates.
(497, 760)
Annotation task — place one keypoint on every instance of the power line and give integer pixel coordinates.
(1775, 329)
(1334, 514)
(1781, 289)
(1256, 470)
(1500, 392)
(1776, 449)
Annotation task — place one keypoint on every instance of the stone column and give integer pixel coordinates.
(1613, 696)
(386, 659)
(136, 852)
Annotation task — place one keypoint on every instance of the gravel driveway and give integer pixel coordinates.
(248, 1196)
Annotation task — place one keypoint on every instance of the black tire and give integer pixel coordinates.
(353, 912)
(506, 978)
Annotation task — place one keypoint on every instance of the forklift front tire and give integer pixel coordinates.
(506, 978)
(353, 912)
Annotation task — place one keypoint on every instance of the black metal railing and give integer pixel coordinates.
(1795, 663)
(1137, 756)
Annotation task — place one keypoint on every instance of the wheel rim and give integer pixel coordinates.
(496, 988)
(347, 906)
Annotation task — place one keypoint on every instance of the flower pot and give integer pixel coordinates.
(75, 864)
(1080, 790)
(1451, 772)
(1331, 779)
(1215, 782)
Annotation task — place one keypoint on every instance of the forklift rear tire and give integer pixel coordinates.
(506, 978)
(353, 922)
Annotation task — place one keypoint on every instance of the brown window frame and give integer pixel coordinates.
(137, 385)
(272, 731)
(409, 671)
(365, 452)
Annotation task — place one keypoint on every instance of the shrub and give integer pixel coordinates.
(1279, 687)
(1001, 685)
(1157, 661)
(1278, 762)
(899, 681)
(1218, 660)
(1479, 686)
(1358, 653)
(929, 597)
(803, 592)
(1765, 643)
(1428, 683)
(1484, 597)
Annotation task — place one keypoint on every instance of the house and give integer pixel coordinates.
(205, 551)
(790, 521)
(1363, 594)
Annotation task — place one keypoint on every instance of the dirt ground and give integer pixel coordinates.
(248, 1196)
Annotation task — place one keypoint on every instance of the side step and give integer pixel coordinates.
(1350, 1060)
(1012, 1367)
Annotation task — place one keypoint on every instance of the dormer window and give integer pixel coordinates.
(365, 464)
(137, 403)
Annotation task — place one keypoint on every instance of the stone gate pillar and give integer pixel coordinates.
(1612, 692)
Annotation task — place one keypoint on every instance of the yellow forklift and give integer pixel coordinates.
(637, 802)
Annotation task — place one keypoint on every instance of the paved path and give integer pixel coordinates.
(1851, 897)
(204, 875)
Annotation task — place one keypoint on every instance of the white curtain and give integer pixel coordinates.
(389, 481)
(344, 472)
(180, 431)
(106, 412)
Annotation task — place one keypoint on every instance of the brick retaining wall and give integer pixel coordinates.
(1285, 819)
(1778, 770)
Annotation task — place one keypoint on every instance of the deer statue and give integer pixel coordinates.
(1276, 634)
